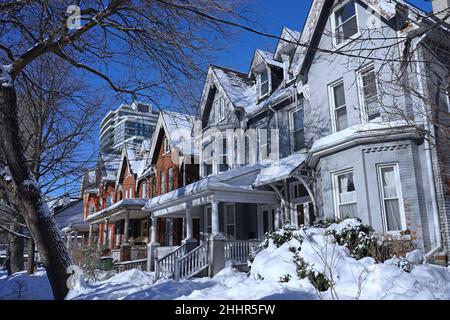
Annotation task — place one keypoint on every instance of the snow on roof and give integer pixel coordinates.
(137, 164)
(277, 95)
(291, 35)
(240, 89)
(180, 130)
(111, 164)
(220, 180)
(269, 58)
(279, 169)
(122, 203)
(341, 136)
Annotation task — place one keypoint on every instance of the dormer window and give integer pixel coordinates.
(264, 84)
(345, 22)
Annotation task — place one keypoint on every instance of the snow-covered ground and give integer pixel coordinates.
(353, 279)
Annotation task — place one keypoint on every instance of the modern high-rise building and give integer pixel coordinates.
(129, 124)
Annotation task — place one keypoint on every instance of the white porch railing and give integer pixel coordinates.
(140, 264)
(238, 251)
(165, 266)
(192, 263)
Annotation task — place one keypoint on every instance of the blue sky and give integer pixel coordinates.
(272, 15)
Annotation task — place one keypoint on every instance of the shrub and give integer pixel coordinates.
(285, 278)
(317, 279)
(281, 237)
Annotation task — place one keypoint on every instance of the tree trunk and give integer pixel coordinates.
(36, 213)
(31, 249)
(15, 250)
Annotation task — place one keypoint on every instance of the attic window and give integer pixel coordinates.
(219, 109)
(345, 22)
(264, 84)
(166, 148)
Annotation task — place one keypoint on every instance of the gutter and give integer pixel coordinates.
(429, 161)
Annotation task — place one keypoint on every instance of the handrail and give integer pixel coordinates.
(165, 266)
(140, 264)
(239, 251)
(192, 262)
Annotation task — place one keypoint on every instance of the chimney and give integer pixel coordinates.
(441, 9)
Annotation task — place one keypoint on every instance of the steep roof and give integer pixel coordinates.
(239, 88)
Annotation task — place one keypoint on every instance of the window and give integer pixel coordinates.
(109, 201)
(230, 222)
(154, 186)
(263, 143)
(345, 194)
(390, 190)
(298, 131)
(223, 160)
(368, 93)
(166, 145)
(144, 228)
(126, 194)
(219, 108)
(130, 193)
(144, 190)
(339, 109)
(91, 209)
(345, 22)
(163, 182)
(208, 158)
(264, 84)
(170, 185)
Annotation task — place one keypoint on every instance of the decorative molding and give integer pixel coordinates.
(385, 148)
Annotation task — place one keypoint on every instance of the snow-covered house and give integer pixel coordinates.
(307, 133)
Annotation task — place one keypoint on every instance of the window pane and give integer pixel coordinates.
(348, 29)
(298, 119)
(341, 119)
(265, 88)
(344, 13)
(299, 140)
(348, 210)
(392, 215)
(339, 95)
(230, 232)
(346, 188)
(389, 183)
(264, 77)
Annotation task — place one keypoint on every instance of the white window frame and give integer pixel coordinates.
(332, 104)
(161, 185)
(219, 109)
(91, 209)
(261, 146)
(362, 98)
(260, 83)
(398, 186)
(166, 147)
(144, 189)
(210, 157)
(334, 27)
(335, 186)
(286, 66)
(170, 180)
(220, 156)
(109, 200)
(225, 220)
(131, 193)
(291, 124)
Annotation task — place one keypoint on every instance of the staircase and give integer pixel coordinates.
(179, 264)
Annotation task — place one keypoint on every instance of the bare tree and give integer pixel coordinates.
(167, 39)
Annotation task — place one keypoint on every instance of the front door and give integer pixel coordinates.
(266, 219)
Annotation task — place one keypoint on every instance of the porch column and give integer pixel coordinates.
(216, 253)
(152, 247)
(106, 233)
(91, 230)
(277, 218)
(190, 242)
(189, 227)
(215, 219)
(126, 227)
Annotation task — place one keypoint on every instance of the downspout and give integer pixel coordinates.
(428, 155)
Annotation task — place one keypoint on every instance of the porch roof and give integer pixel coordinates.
(279, 169)
(116, 211)
(229, 186)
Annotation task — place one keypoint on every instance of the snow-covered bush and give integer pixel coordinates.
(280, 237)
(358, 238)
(304, 271)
